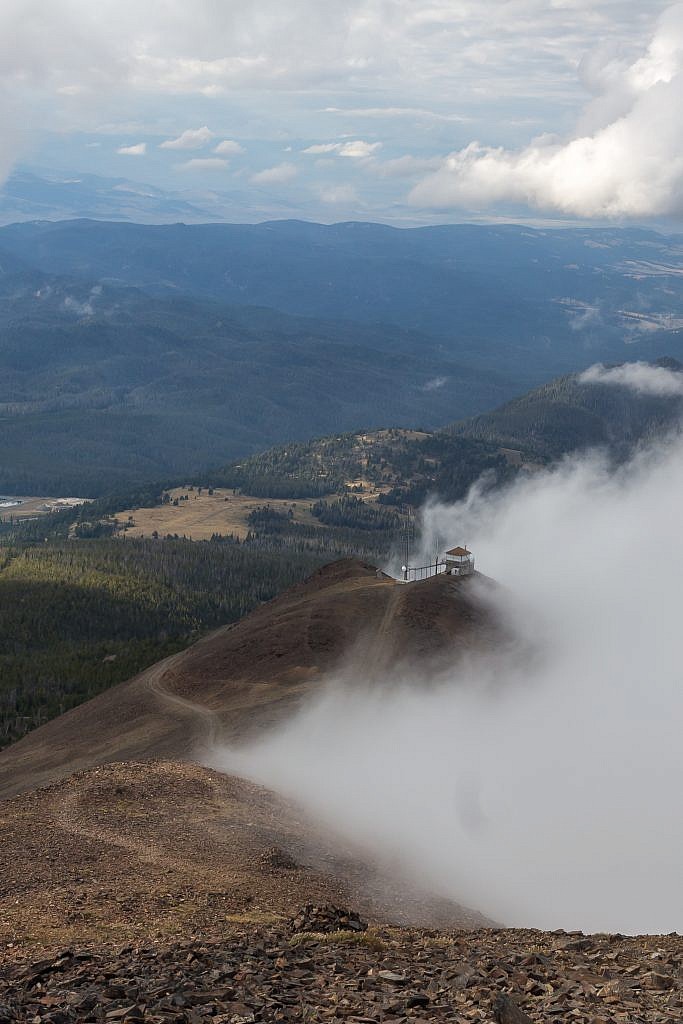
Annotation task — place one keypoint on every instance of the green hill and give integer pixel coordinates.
(568, 414)
(391, 467)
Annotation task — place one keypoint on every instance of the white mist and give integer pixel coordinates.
(543, 792)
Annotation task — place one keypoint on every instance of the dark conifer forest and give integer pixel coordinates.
(81, 613)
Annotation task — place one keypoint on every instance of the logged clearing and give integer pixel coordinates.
(203, 515)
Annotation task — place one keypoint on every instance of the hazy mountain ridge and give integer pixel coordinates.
(124, 387)
(530, 303)
(27, 195)
(135, 353)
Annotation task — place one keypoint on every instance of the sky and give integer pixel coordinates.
(399, 110)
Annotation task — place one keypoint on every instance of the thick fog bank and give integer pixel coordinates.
(543, 792)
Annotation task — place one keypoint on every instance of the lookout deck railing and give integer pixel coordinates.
(411, 573)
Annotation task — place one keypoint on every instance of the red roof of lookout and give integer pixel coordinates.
(459, 551)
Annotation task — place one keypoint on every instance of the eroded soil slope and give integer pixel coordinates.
(149, 850)
(246, 677)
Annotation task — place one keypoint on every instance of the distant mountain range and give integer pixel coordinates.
(53, 196)
(530, 304)
(103, 387)
(132, 352)
(38, 194)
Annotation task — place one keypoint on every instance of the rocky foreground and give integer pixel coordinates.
(326, 965)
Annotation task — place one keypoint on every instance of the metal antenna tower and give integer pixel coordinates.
(408, 536)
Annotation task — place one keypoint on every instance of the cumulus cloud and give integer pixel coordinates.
(206, 163)
(625, 159)
(192, 138)
(319, 148)
(644, 378)
(139, 149)
(228, 147)
(71, 63)
(277, 175)
(358, 149)
(544, 788)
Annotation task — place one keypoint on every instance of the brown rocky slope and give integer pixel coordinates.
(138, 886)
(273, 973)
(106, 809)
(245, 677)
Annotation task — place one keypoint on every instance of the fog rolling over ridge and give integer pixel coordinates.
(543, 791)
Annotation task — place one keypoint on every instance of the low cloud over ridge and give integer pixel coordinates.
(644, 378)
(543, 791)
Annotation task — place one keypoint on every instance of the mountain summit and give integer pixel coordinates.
(107, 811)
(246, 677)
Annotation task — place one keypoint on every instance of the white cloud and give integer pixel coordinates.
(641, 377)
(407, 166)
(139, 149)
(228, 147)
(356, 150)
(275, 175)
(192, 138)
(539, 784)
(207, 163)
(71, 65)
(435, 383)
(626, 158)
(322, 147)
(359, 150)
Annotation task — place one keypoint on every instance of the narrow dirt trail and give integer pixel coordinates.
(205, 729)
(206, 723)
(144, 850)
(156, 848)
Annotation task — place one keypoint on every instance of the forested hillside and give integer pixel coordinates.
(569, 414)
(102, 387)
(131, 353)
(78, 615)
(394, 466)
(533, 303)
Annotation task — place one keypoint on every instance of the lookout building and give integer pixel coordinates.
(459, 562)
(456, 562)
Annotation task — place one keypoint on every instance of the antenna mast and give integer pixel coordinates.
(407, 540)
